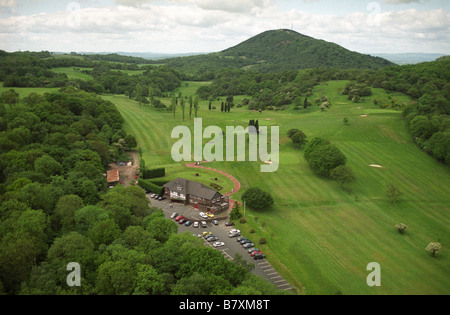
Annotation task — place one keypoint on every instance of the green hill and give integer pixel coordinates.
(277, 51)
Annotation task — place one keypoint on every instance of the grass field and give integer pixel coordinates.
(319, 236)
(24, 92)
(74, 72)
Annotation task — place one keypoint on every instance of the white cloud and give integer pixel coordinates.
(8, 3)
(199, 26)
(402, 1)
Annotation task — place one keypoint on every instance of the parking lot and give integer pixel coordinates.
(231, 247)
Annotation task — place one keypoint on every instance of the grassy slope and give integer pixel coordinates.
(74, 74)
(319, 237)
(24, 92)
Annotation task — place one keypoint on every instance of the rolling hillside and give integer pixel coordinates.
(277, 51)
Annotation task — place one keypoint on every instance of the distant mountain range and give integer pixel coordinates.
(145, 55)
(410, 58)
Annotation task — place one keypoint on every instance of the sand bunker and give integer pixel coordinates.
(363, 115)
(268, 162)
(376, 165)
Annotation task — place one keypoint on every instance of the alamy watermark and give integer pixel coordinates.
(74, 278)
(374, 278)
(213, 150)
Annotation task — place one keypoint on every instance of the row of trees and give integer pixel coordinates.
(179, 100)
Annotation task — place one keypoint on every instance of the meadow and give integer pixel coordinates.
(321, 237)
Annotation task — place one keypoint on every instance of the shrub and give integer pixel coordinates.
(154, 173)
(262, 241)
(401, 228)
(325, 158)
(257, 198)
(312, 145)
(145, 184)
(235, 214)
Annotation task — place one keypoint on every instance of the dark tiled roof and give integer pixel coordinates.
(188, 187)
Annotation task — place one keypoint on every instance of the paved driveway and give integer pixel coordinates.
(262, 267)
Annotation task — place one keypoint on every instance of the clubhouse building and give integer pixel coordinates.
(197, 195)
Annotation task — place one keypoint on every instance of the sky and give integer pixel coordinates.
(191, 26)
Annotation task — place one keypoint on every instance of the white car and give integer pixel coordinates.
(219, 244)
(234, 231)
(196, 224)
(203, 215)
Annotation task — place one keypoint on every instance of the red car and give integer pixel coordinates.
(179, 218)
(255, 252)
(182, 221)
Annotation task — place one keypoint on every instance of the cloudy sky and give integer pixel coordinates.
(184, 26)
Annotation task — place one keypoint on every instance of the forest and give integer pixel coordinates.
(56, 208)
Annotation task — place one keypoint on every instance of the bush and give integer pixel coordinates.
(312, 145)
(147, 185)
(325, 158)
(154, 173)
(257, 198)
(235, 214)
(262, 241)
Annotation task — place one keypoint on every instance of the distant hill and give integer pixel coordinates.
(277, 51)
(409, 58)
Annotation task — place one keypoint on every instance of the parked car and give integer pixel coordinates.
(174, 215)
(229, 224)
(206, 233)
(161, 198)
(203, 215)
(219, 244)
(203, 224)
(215, 222)
(182, 221)
(209, 214)
(259, 256)
(208, 236)
(196, 224)
(255, 252)
(252, 249)
(188, 223)
(248, 245)
(179, 218)
(245, 241)
(212, 239)
(234, 233)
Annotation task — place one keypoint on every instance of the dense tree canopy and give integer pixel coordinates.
(56, 209)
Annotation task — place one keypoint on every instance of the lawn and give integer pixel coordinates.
(24, 92)
(321, 237)
(74, 72)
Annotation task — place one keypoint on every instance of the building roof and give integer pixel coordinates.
(112, 176)
(188, 187)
